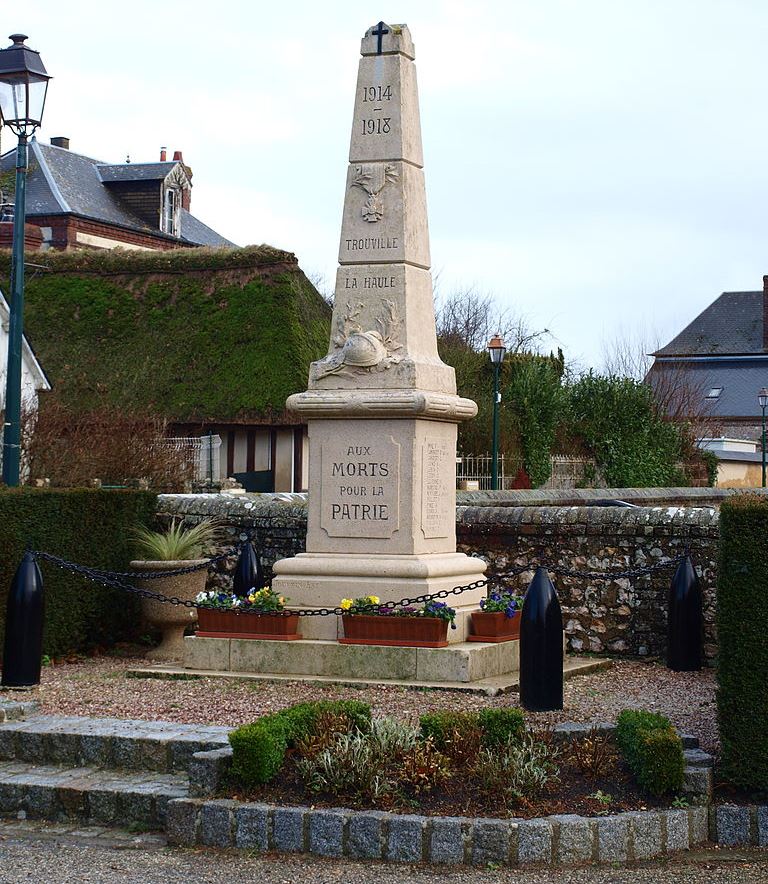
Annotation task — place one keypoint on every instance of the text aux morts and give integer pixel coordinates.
(360, 469)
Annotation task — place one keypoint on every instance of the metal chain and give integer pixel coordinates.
(144, 575)
(114, 580)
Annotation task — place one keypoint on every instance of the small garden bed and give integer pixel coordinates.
(486, 764)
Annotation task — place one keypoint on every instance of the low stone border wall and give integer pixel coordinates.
(337, 832)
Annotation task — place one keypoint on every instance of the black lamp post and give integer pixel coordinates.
(762, 399)
(23, 85)
(496, 351)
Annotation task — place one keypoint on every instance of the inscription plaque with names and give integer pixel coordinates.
(438, 479)
(360, 484)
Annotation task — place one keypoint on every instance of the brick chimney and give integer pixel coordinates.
(60, 141)
(765, 314)
(163, 154)
(177, 157)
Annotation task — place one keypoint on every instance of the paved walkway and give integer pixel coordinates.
(55, 854)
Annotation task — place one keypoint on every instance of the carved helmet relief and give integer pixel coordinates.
(373, 178)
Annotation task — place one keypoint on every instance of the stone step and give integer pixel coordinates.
(108, 742)
(89, 794)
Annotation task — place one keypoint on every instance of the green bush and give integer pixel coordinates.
(501, 725)
(302, 718)
(742, 627)
(652, 749)
(82, 525)
(258, 749)
(496, 725)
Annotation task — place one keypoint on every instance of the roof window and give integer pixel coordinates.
(714, 393)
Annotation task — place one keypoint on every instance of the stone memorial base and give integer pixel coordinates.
(459, 663)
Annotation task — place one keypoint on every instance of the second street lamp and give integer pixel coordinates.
(496, 351)
(762, 400)
(23, 86)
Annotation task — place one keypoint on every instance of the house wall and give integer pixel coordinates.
(67, 232)
(739, 474)
(622, 616)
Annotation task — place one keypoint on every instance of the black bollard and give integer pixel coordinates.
(684, 621)
(248, 573)
(22, 654)
(541, 647)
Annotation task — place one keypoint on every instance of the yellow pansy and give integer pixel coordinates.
(346, 604)
(374, 599)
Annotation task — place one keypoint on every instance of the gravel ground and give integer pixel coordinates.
(32, 852)
(99, 687)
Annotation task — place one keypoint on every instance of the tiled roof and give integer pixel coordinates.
(135, 171)
(739, 380)
(63, 182)
(733, 324)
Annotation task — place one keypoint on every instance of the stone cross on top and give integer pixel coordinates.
(384, 39)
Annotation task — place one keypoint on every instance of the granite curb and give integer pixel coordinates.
(562, 840)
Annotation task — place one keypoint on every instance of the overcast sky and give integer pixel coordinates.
(599, 166)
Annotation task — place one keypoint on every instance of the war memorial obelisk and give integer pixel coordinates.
(381, 407)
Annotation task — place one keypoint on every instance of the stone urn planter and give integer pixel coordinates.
(494, 626)
(170, 619)
(231, 624)
(406, 632)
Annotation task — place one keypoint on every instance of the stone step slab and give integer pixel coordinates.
(108, 742)
(88, 794)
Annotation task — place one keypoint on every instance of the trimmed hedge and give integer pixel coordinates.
(742, 630)
(85, 526)
(652, 749)
(258, 749)
(496, 725)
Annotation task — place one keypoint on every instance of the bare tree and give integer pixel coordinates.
(468, 317)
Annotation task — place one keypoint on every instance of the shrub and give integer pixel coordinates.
(455, 732)
(517, 769)
(742, 624)
(258, 749)
(652, 749)
(85, 526)
(501, 725)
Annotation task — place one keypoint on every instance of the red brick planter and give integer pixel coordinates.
(229, 624)
(494, 626)
(407, 632)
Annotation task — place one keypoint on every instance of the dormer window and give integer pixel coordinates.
(171, 211)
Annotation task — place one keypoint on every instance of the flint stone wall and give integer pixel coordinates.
(619, 616)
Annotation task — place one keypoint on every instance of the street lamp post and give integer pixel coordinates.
(496, 351)
(762, 399)
(23, 85)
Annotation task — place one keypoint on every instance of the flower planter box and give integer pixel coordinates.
(406, 632)
(494, 626)
(230, 624)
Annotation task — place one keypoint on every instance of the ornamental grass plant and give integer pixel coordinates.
(177, 544)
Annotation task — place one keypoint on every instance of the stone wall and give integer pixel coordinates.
(618, 616)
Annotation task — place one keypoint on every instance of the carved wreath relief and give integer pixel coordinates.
(373, 178)
(360, 352)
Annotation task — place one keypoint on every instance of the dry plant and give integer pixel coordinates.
(592, 753)
(72, 449)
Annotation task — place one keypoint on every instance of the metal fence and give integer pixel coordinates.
(473, 472)
(203, 453)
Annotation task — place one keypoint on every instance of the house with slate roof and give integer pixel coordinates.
(721, 361)
(77, 201)
(33, 378)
